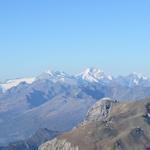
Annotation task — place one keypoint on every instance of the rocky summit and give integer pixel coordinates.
(109, 125)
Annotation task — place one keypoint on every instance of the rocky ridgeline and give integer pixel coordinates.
(109, 125)
(57, 144)
(98, 112)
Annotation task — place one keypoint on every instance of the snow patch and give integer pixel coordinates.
(93, 75)
(12, 83)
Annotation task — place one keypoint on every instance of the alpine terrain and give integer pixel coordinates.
(109, 125)
(59, 101)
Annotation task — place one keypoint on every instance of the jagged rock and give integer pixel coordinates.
(147, 115)
(137, 133)
(119, 145)
(100, 110)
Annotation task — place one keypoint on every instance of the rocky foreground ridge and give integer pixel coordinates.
(109, 125)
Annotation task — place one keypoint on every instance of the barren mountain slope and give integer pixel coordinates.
(124, 126)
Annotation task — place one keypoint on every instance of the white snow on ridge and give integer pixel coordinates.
(139, 76)
(136, 82)
(136, 79)
(94, 75)
(12, 83)
(54, 76)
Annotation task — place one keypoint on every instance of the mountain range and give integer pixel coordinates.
(59, 101)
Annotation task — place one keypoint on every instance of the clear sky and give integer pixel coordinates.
(70, 35)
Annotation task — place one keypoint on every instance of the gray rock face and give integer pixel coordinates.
(147, 114)
(56, 144)
(100, 110)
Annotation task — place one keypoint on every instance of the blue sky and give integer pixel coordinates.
(71, 35)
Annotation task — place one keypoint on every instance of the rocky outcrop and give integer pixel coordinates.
(147, 114)
(100, 110)
(109, 126)
(56, 144)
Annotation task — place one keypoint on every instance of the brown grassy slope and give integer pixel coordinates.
(127, 128)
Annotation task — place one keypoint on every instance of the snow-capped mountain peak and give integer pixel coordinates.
(139, 75)
(49, 72)
(55, 73)
(136, 79)
(54, 76)
(93, 75)
(12, 83)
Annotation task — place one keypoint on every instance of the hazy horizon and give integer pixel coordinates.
(73, 73)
